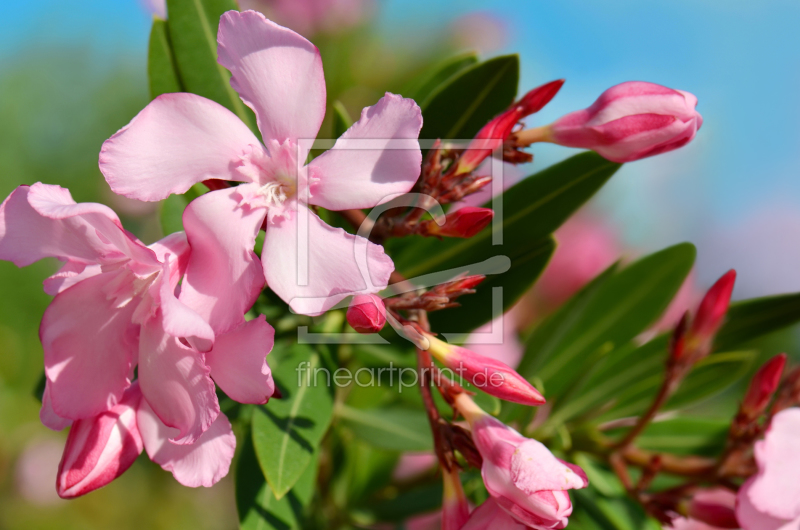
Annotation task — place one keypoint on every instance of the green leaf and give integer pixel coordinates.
(171, 214)
(287, 431)
(161, 71)
(532, 209)
(458, 109)
(397, 428)
(424, 85)
(621, 308)
(257, 506)
(193, 28)
(423, 499)
(685, 436)
(750, 319)
(341, 119)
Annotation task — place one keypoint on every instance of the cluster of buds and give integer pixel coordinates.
(442, 296)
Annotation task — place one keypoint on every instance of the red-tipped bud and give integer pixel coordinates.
(488, 374)
(711, 312)
(464, 222)
(101, 448)
(677, 343)
(494, 133)
(366, 313)
(455, 507)
(715, 508)
(763, 385)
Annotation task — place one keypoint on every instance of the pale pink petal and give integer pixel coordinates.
(776, 488)
(202, 463)
(89, 348)
(374, 160)
(48, 416)
(238, 362)
(175, 381)
(43, 221)
(534, 468)
(71, 273)
(180, 320)
(176, 246)
(413, 465)
(276, 72)
(224, 276)
(752, 518)
(101, 448)
(177, 141)
(490, 516)
(333, 258)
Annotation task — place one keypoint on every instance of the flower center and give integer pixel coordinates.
(275, 169)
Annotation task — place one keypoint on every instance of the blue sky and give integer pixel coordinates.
(741, 58)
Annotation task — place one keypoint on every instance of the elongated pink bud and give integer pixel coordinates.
(464, 222)
(490, 516)
(486, 373)
(367, 313)
(494, 133)
(715, 507)
(101, 448)
(763, 386)
(631, 121)
(713, 308)
(455, 507)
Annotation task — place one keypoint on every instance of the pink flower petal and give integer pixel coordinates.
(71, 273)
(276, 72)
(174, 380)
(776, 488)
(177, 141)
(752, 518)
(43, 221)
(351, 176)
(224, 276)
(176, 246)
(202, 463)
(238, 362)
(48, 416)
(89, 348)
(490, 516)
(179, 320)
(333, 257)
(534, 468)
(101, 448)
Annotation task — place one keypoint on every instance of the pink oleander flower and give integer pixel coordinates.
(179, 140)
(309, 17)
(522, 475)
(490, 516)
(709, 317)
(367, 313)
(770, 499)
(100, 449)
(487, 373)
(115, 309)
(630, 121)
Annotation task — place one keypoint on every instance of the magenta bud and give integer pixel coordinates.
(631, 121)
(464, 222)
(101, 448)
(487, 374)
(715, 507)
(366, 313)
(712, 309)
(763, 385)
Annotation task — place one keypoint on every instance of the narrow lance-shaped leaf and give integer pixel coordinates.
(341, 119)
(398, 428)
(436, 76)
(750, 319)
(287, 431)
(162, 72)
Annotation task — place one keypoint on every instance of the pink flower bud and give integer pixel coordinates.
(520, 474)
(494, 133)
(366, 313)
(715, 507)
(101, 448)
(712, 309)
(464, 222)
(490, 516)
(488, 374)
(455, 507)
(763, 386)
(631, 121)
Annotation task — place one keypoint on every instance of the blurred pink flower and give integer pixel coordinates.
(156, 7)
(309, 17)
(412, 465)
(687, 298)
(36, 471)
(481, 31)
(711, 509)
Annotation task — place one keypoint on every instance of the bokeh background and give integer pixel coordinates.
(72, 73)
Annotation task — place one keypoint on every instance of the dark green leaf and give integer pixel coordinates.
(423, 499)
(532, 209)
(398, 428)
(423, 86)
(193, 33)
(171, 214)
(458, 109)
(287, 431)
(341, 119)
(685, 436)
(750, 319)
(257, 506)
(161, 71)
(621, 308)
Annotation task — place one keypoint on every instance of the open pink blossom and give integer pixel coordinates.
(525, 479)
(182, 139)
(770, 499)
(115, 308)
